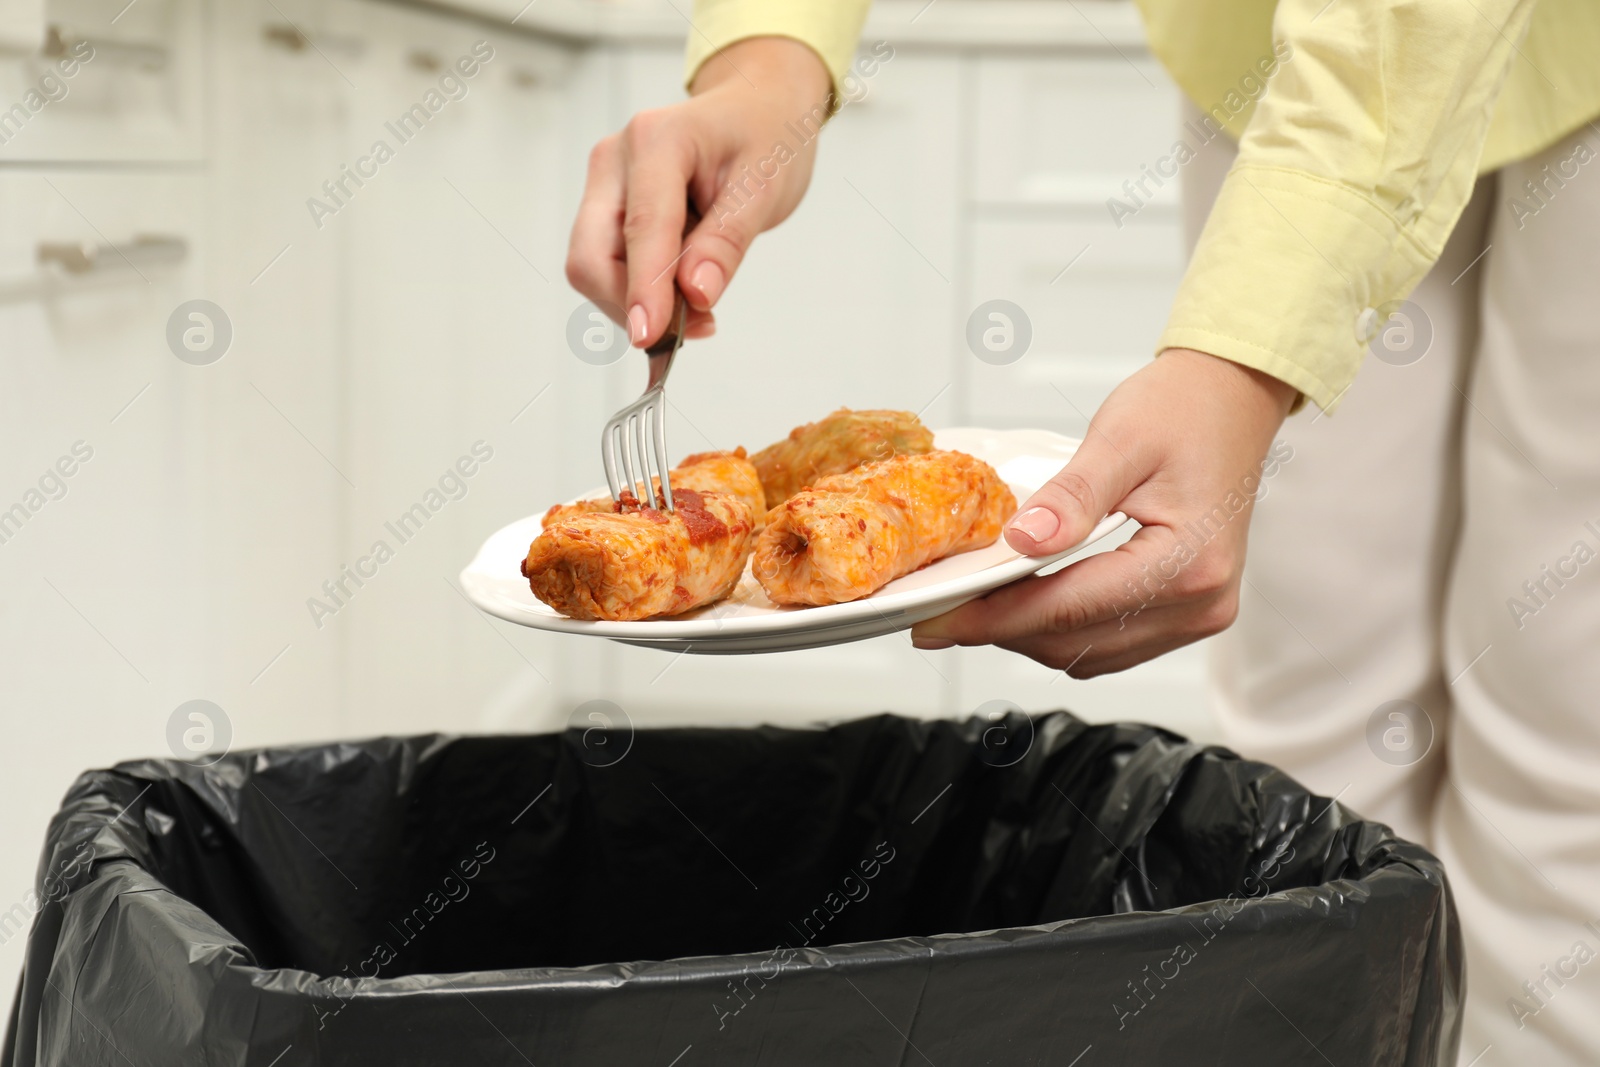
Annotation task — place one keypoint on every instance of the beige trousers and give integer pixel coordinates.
(1419, 631)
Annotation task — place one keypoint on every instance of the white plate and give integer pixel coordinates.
(748, 622)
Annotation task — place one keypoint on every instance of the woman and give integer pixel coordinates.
(1417, 625)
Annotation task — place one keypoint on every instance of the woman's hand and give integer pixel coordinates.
(742, 147)
(1182, 447)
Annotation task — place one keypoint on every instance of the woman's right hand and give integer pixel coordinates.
(741, 147)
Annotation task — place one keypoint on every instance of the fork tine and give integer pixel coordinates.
(647, 493)
(647, 458)
(658, 428)
(625, 447)
(608, 458)
(624, 456)
(647, 490)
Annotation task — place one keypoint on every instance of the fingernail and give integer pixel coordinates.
(638, 323)
(931, 644)
(1037, 524)
(708, 279)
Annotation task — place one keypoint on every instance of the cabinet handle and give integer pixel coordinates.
(427, 62)
(148, 57)
(289, 38)
(77, 257)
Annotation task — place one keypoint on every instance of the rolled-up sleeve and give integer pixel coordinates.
(1353, 171)
(830, 28)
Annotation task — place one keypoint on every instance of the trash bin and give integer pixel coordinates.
(880, 892)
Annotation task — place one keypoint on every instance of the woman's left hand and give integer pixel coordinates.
(1178, 447)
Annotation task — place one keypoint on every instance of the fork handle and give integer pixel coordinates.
(667, 344)
(663, 350)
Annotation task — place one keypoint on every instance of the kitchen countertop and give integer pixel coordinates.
(1090, 24)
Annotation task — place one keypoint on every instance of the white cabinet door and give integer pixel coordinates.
(276, 444)
(455, 340)
(1070, 129)
(89, 375)
(1056, 138)
(112, 81)
(1095, 298)
(101, 447)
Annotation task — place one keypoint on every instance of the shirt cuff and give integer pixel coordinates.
(1293, 275)
(830, 28)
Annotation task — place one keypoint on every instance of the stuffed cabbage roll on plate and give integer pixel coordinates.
(849, 535)
(833, 445)
(621, 562)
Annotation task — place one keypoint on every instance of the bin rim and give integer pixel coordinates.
(855, 956)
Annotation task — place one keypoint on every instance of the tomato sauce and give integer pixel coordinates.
(700, 524)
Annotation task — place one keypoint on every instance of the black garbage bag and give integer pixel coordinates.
(880, 892)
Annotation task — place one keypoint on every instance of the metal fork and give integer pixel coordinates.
(622, 442)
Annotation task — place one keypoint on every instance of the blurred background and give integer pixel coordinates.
(228, 364)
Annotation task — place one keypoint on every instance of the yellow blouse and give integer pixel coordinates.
(1355, 159)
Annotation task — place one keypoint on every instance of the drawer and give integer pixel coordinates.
(1092, 325)
(110, 83)
(99, 430)
(1071, 129)
(91, 266)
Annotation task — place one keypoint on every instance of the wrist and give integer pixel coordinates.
(1271, 396)
(779, 65)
